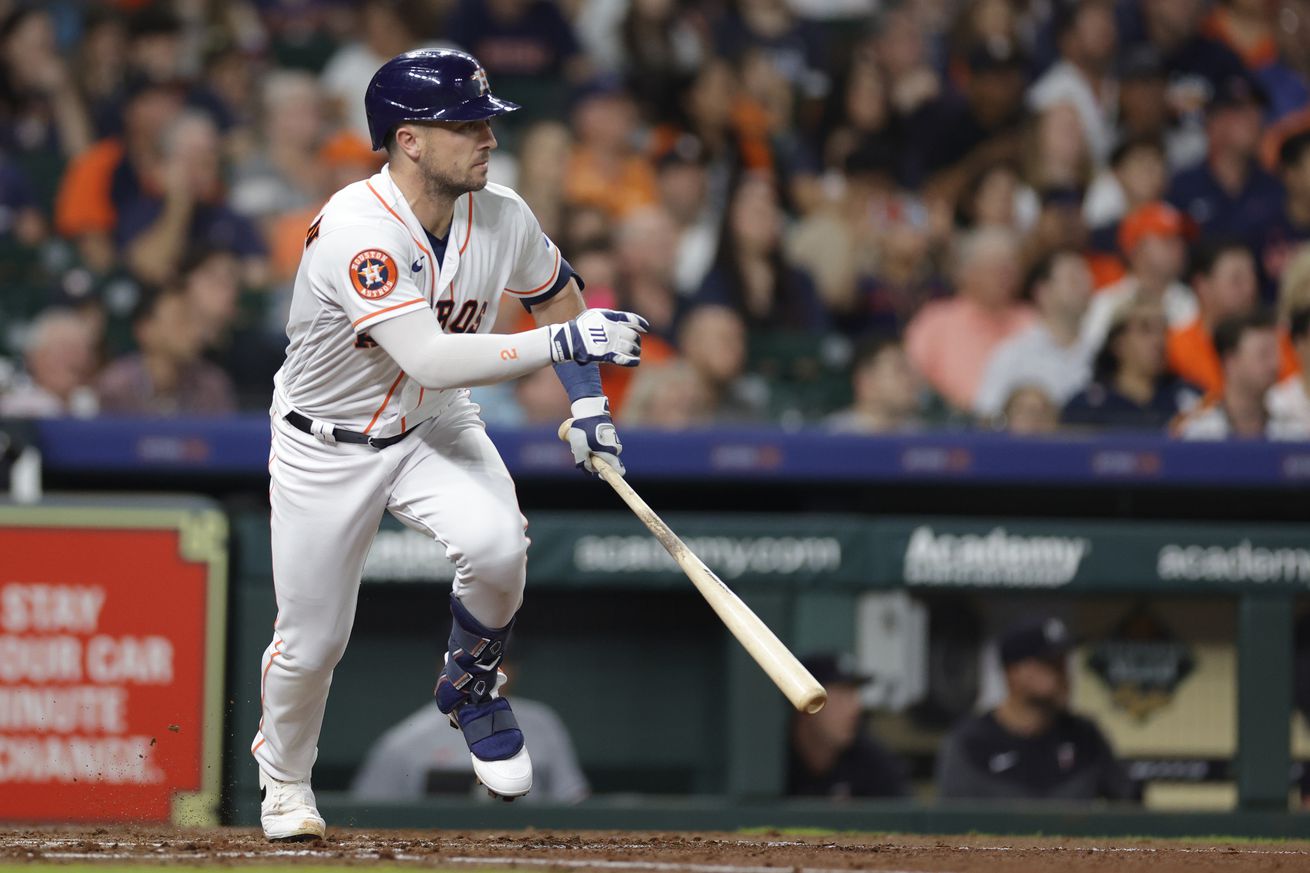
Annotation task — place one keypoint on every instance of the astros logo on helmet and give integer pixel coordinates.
(373, 273)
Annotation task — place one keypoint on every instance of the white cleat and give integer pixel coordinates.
(287, 810)
(505, 780)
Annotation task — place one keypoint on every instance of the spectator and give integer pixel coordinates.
(1031, 747)
(661, 48)
(1197, 64)
(1131, 387)
(1223, 275)
(60, 354)
(543, 173)
(1228, 194)
(188, 211)
(750, 275)
(997, 197)
(1029, 411)
(1085, 34)
(901, 50)
(712, 339)
(950, 341)
(1137, 175)
(831, 753)
(669, 396)
(963, 132)
(421, 757)
(105, 179)
(1291, 227)
(168, 376)
(683, 180)
(1151, 239)
(887, 392)
(733, 130)
(604, 170)
(384, 29)
(1289, 400)
(1049, 354)
(646, 245)
(1247, 348)
(43, 114)
(286, 172)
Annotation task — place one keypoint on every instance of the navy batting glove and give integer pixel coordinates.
(593, 431)
(602, 335)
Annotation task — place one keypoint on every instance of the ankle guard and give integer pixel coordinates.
(466, 690)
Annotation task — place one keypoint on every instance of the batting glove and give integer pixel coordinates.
(593, 431)
(599, 335)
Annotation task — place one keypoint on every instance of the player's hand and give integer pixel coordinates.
(593, 431)
(599, 335)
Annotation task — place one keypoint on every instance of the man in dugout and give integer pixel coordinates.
(1031, 747)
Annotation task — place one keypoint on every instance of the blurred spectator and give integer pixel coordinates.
(1049, 354)
(732, 128)
(1137, 175)
(1250, 29)
(997, 196)
(232, 339)
(887, 392)
(901, 50)
(42, 114)
(712, 339)
(683, 181)
(1029, 411)
(1144, 111)
(1291, 227)
(965, 131)
(863, 121)
(1056, 155)
(669, 396)
(101, 70)
(661, 45)
(1151, 239)
(421, 757)
(1289, 400)
(950, 341)
(541, 399)
(750, 275)
(1197, 64)
(105, 179)
(184, 208)
(1131, 387)
(768, 28)
(168, 376)
(543, 172)
(1229, 194)
(1223, 274)
(1085, 34)
(382, 30)
(646, 246)
(1031, 746)
(60, 358)
(1247, 348)
(528, 48)
(286, 172)
(831, 753)
(604, 169)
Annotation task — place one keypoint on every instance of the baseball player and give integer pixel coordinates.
(398, 287)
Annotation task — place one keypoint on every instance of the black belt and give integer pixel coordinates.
(306, 424)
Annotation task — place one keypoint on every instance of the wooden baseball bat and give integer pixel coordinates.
(791, 677)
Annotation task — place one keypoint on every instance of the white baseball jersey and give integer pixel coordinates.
(367, 259)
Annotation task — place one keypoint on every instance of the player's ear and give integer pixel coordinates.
(407, 141)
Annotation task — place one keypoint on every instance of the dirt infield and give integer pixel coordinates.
(642, 852)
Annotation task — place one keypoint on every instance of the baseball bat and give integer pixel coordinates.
(791, 677)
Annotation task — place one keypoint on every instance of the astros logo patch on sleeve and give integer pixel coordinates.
(373, 273)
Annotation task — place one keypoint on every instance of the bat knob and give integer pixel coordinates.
(564, 429)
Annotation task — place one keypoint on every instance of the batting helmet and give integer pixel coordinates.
(429, 85)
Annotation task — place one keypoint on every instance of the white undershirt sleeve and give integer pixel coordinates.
(438, 360)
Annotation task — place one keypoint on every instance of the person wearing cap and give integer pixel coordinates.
(1228, 193)
(1151, 240)
(1031, 747)
(1224, 276)
(831, 755)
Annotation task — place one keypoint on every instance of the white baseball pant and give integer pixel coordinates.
(446, 480)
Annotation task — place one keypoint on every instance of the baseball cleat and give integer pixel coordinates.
(507, 779)
(287, 810)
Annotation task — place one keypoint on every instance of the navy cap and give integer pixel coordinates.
(834, 668)
(1238, 90)
(429, 85)
(1045, 638)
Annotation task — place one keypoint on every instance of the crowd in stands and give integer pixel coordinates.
(869, 215)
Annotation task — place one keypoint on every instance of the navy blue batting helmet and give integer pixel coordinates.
(429, 85)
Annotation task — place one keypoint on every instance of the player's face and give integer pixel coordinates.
(456, 154)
